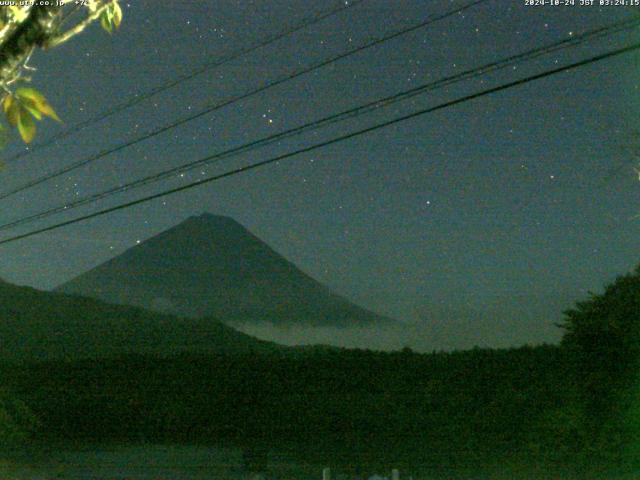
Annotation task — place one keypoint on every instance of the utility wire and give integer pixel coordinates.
(341, 116)
(332, 141)
(141, 97)
(209, 109)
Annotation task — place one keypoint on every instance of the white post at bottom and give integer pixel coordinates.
(395, 474)
(326, 474)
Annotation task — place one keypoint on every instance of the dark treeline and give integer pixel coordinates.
(468, 409)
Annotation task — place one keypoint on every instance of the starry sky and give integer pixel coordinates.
(479, 223)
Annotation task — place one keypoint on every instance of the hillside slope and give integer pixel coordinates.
(37, 325)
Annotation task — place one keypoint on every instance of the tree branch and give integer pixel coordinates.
(10, 23)
(79, 28)
(32, 33)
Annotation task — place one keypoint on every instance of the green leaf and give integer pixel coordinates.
(36, 103)
(27, 93)
(12, 110)
(6, 102)
(26, 126)
(117, 14)
(48, 110)
(105, 21)
(23, 107)
(31, 108)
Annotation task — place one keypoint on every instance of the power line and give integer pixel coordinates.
(341, 116)
(334, 140)
(141, 97)
(286, 78)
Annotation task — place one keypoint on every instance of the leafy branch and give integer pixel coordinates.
(23, 108)
(24, 29)
(109, 13)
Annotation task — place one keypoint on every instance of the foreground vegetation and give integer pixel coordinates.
(570, 410)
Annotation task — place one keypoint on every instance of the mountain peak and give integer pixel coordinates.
(196, 236)
(212, 265)
(207, 217)
(207, 220)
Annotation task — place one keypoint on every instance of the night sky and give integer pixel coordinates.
(481, 222)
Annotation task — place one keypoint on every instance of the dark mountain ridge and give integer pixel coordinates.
(212, 265)
(37, 325)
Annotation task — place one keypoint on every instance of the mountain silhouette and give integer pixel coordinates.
(37, 325)
(210, 265)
